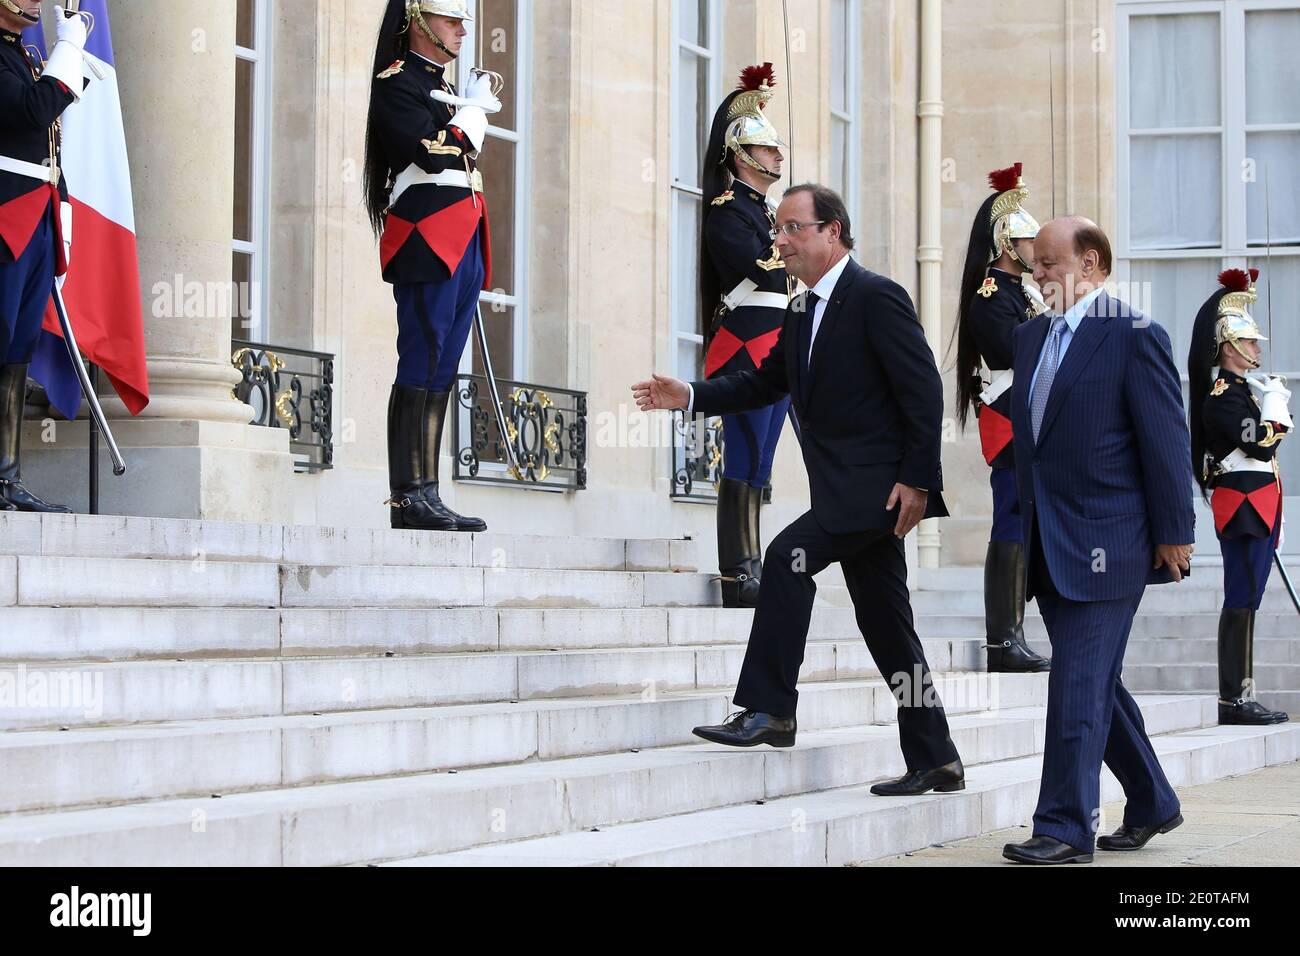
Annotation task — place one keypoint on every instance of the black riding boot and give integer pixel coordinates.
(13, 496)
(754, 535)
(1004, 611)
(1237, 704)
(435, 420)
(415, 418)
(739, 586)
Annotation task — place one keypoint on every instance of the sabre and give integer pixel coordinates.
(789, 87)
(1268, 274)
(73, 9)
(498, 81)
(1286, 579)
(508, 432)
(87, 389)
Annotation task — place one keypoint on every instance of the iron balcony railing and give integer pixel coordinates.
(293, 389)
(547, 427)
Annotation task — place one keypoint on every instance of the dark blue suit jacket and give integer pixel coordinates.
(1110, 476)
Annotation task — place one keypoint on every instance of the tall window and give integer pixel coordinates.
(500, 34)
(696, 84)
(844, 43)
(1209, 121)
(252, 153)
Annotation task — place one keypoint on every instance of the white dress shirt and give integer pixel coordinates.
(1074, 315)
(824, 289)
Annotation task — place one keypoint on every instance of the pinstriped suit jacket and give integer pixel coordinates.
(1110, 476)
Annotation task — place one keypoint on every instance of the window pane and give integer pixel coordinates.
(1174, 71)
(686, 244)
(839, 55)
(1272, 66)
(1175, 184)
(693, 21)
(690, 361)
(243, 297)
(497, 20)
(1171, 291)
(499, 321)
(245, 24)
(1278, 156)
(498, 162)
(690, 117)
(244, 150)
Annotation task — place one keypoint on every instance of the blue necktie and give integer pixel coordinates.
(1046, 375)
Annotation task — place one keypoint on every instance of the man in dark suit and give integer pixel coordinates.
(864, 384)
(1102, 459)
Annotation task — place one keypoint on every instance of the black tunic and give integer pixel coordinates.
(30, 106)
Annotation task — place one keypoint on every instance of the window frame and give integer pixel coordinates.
(1233, 252)
(681, 299)
(1233, 130)
(262, 58)
(853, 99)
(521, 139)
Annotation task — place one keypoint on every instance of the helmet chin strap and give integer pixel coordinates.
(752, 163)
(1253, 363)
(1010, 247)
(414, 13)
(19, 11)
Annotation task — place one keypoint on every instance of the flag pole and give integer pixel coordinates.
(93, 444)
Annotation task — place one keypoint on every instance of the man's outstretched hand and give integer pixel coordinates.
(1177, 557)
(913, 508)
(660, 392)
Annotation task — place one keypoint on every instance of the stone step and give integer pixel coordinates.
(1205, 649)
(106, 694)
(1207, 573)
(1161, 600)
(133, 582)
(402, 817)
(81, 536)
(121, 634)
(1283, 624)
(849, 825)
(1201, 677)
(53, 769)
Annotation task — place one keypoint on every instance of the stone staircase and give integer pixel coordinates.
(178, 692)
(1174, 644)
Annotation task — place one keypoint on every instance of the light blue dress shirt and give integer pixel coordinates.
(1073, 317)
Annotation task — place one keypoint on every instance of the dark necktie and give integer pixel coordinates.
(805, 339)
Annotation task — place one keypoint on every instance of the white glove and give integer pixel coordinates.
(473, 122)
(1275, 399)
(478, 92)
(65, 217)
(70, 29)
(64, 65)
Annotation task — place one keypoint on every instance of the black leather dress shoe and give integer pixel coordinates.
(1135, 838)
(946, 779)
(749, 728)
(1249, 713)
(1044, 851)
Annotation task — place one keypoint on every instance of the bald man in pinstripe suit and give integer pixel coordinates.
(1103, 467)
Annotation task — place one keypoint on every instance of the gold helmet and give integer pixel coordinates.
(1235, 322)
(1009, 219)
(416, 9)
(747, 124)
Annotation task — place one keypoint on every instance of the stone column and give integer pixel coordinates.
(191, 453)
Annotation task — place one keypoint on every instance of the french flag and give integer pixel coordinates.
(102, 290)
